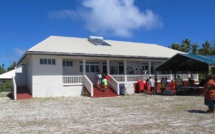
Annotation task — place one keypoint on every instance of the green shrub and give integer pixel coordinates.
(8, 86)
(1, 88)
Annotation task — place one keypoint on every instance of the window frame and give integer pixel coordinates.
(47, 61)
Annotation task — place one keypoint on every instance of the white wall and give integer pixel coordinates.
(92, 77)
(20, 76)
(29, 67)
(74, 70)
(47, 79)
(127, 88)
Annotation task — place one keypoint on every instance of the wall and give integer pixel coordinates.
(29, 67)
(20, 76)
(47, 79)
(127, 88)
(74, 70)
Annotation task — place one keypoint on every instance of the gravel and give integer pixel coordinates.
(131, 114)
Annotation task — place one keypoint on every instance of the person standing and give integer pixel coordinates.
(162, 85)
(105, 83)
(107, 77)
(98, 79)
(152, 85)
(147, 86)
(165, 82)
(173, 83)
(136, 71)
(179, 83)
(209, 94)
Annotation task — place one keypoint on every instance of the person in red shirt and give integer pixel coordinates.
(209, 94)
(107, 77)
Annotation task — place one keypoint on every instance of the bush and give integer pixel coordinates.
(1, 88)
(8, 87)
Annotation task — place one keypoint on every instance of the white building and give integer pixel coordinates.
(62, 66)
(7, 76)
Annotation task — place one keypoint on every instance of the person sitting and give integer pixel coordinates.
(190, 82)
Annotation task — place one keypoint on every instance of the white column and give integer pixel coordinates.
(108, 67)
(84, 66)
(149, 66)
(125, 71)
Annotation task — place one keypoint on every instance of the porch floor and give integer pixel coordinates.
(101, 93)
(23, 93)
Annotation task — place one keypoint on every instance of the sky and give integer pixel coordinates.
(24, 23)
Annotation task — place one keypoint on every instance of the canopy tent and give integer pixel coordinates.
(187, 62)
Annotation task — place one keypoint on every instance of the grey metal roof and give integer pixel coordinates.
(81, 46)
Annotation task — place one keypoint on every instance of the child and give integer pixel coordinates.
(105, 83)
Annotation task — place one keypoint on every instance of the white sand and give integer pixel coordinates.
(127, 114)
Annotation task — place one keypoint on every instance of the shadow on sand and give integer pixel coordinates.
(10, 96)
(197, 111)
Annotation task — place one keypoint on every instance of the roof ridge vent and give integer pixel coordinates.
(97, 40)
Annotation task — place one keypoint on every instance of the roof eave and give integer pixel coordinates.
(89, 55)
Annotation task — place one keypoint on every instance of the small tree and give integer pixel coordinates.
(11, 67)
(2, 70)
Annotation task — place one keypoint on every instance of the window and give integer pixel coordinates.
(67, 63)
(47, 62)
(145, 68)
(53, 61)
(121, 68)
(152, 68)
(90, 67)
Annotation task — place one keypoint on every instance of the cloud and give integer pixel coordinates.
(113, 17)
(119, 17)
(19, 52)
(63, 14)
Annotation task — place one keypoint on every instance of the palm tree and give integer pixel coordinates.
(194, 48)
(2, 70)
(206, 49)
(11, 67)
(186, 45)
(175, 46)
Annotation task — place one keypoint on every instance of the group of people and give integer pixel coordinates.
(102, 81)
(137, 71)
(208, 90)
(149, 84)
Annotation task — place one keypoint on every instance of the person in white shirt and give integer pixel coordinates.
(152, 85)
(98, 80)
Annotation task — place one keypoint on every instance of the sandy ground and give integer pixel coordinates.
(132, 114)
